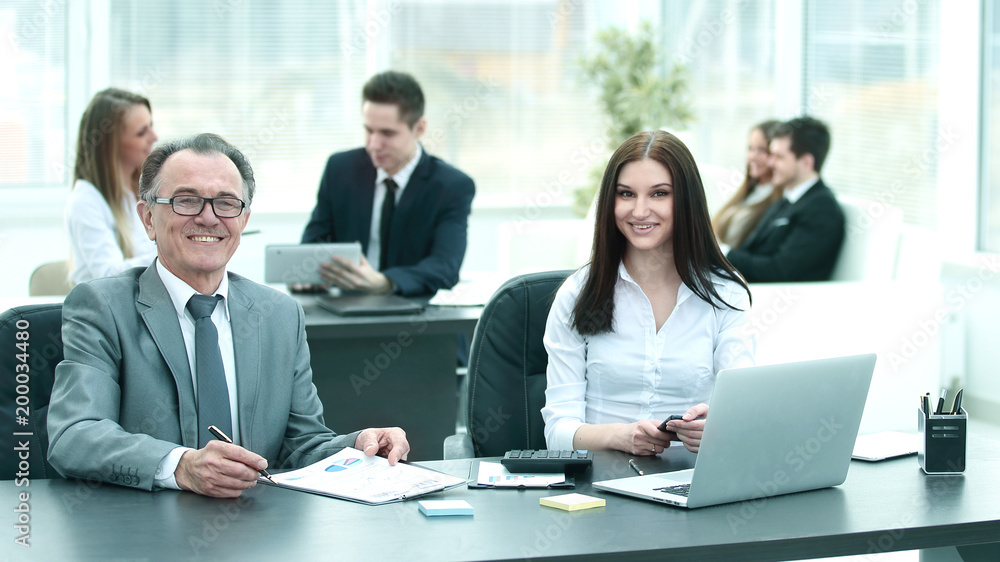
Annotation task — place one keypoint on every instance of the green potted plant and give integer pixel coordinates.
(639, 91)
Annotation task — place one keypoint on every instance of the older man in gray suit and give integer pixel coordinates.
(133, 398)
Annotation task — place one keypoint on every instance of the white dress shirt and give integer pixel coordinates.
(402, 177)
(93, 238)
(180, 293)
(796, 193)
(636, 372)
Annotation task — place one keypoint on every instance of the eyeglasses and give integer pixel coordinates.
(191, 205)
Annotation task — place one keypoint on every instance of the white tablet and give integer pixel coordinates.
(299, 263)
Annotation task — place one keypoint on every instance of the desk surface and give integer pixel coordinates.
(883, 506)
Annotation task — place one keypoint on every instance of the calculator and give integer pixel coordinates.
(544, 460)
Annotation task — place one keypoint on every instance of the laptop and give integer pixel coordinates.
(368, 305)
(771, 430)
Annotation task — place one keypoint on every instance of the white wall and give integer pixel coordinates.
(973, 287)
(905, 323)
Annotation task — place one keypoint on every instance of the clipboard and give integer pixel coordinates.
(568, 483)
(353, 476)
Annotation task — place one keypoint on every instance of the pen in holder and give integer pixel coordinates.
(942, 441)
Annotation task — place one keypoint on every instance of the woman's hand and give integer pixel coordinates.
(642, 438)
(689, 429)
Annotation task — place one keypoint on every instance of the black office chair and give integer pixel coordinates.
(31, 340)
(506, 386)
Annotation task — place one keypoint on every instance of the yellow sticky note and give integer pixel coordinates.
(571, 502)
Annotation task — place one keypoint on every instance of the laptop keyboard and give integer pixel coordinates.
(678, 490)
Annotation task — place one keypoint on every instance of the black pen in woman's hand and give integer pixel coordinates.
(223, 437)
(635, 467)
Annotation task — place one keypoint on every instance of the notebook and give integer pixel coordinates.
(885, 445)
(368, 305)
(771, 430)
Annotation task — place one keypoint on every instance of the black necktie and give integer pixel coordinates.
(388, 207)
(213, 392)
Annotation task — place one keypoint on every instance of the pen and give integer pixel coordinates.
(635, 467)
(223, 437)
(926, 402)
(940, 406)
(956, 406)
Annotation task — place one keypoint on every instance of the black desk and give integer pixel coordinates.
(376, 371)
(882, 507)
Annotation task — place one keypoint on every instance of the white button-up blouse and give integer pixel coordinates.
(637, 372)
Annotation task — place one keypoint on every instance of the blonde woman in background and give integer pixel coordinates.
(105, 234)
(740, 215)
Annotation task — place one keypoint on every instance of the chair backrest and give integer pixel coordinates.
(872, 232)
(507, 366)
(50, 279)
(32, 337)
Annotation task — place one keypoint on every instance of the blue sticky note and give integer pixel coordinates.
(434, 508)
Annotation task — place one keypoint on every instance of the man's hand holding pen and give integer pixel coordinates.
(220, 470)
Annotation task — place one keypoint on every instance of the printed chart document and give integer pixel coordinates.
(350, 475)
(494, 474)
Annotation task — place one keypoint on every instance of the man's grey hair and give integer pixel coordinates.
(205, 143)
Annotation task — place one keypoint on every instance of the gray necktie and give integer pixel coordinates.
(385, 224)
(213, 392)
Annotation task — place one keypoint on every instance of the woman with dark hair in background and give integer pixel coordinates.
(642, 331)
(105, 233)
(740, 215)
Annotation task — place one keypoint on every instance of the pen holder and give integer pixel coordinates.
(942, 442)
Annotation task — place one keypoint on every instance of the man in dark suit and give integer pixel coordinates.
(147, 369)
(799, 236)
(408, 209)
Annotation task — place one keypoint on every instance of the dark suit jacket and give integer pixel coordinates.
(428, 237)
(799, 243)
(123, 396)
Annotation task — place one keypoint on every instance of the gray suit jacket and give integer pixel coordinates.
(123, 396)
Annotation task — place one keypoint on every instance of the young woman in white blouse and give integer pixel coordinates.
(105, 234)
(642, 331)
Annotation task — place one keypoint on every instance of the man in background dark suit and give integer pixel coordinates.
(799, 237)
(421, 248)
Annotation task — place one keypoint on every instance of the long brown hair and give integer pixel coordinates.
(696, 252)
(97, 158)
(724, 216)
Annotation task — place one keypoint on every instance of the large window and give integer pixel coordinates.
(728, 50)
(280, 79)
(33, 131)
(990, 191)
(871, 72)
(283, 80)
(505, 98)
